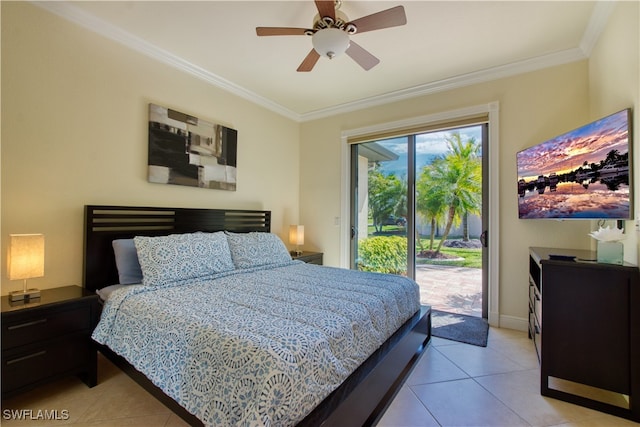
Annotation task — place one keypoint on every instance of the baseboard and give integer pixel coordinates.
(494, 319)
(512, 322)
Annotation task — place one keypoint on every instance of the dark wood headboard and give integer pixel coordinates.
(103, 224)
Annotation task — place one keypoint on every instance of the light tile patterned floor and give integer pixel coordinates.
(453, 384)
(457, 384)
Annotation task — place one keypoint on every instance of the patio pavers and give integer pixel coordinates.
(450, 288)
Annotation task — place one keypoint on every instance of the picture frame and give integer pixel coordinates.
(187, 150)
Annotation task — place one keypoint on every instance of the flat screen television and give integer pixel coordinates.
(582, 174)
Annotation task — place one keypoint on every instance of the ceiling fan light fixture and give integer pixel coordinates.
(330, 42)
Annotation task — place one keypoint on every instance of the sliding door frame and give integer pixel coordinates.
(492, 110)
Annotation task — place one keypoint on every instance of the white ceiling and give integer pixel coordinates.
(444, 44)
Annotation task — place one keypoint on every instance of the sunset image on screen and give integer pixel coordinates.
(580, 174)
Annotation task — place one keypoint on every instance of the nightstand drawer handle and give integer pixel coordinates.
(20, 359)
(24, 325)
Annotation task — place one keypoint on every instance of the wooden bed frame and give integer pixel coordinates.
(363, 396)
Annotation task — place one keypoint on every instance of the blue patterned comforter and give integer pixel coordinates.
(260, 346)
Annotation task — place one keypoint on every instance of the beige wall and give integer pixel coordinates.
(74, 132)
(614, 84)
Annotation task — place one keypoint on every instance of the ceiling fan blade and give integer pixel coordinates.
(281, 31)
(387, 18)
(326, 8)
(310, 61)
(362, 56)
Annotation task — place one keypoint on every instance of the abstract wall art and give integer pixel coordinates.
(186, 150)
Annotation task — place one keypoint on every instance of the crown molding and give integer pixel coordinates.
(90, 22)
(597, 23)
(451, 83)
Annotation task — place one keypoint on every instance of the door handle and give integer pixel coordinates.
(484, 238)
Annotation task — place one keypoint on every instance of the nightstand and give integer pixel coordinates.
(309, 257)
(49, 338)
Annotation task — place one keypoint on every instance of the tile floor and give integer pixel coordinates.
(452, 385)
(457, 384)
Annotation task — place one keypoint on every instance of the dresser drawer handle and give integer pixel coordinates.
(24, 325)
(20, 359)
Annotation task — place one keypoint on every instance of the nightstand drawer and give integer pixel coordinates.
(309, 257)
(44, 325)
(34, 363)
(48, 339)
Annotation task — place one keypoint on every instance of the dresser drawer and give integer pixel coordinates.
(532, 294)
(537, 308)
(20, 330)
(536, 335)
(32, 364)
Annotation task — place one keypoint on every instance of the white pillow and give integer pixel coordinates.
(257, 249)
(167, 259)
(106, 292)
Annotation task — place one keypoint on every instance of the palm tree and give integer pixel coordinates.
(430, 199)
(612, 157)
(465, 227)
(401, 199)
(460, 178)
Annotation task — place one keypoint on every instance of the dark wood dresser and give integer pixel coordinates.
(584, 317)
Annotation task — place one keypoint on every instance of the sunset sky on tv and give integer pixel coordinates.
(569, 151)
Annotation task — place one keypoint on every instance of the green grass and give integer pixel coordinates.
(472, 258)
(389, 229)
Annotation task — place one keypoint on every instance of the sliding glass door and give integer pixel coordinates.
(381, 206)
(417, 210)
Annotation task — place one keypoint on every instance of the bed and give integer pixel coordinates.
(252, 337)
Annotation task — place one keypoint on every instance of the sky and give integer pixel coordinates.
(569, 151)
(428, 147)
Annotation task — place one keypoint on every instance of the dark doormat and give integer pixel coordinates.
(459, 327)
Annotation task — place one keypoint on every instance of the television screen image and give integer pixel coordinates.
(582, 174)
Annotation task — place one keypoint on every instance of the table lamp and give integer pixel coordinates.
(25, 260)
(296, 237)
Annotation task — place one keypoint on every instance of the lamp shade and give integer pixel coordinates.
(25, 257)
(330, 42)
(296, 235)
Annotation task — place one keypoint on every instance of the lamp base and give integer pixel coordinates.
(29, 294)
(296, 252)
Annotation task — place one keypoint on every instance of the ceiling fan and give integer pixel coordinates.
(331, 31)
